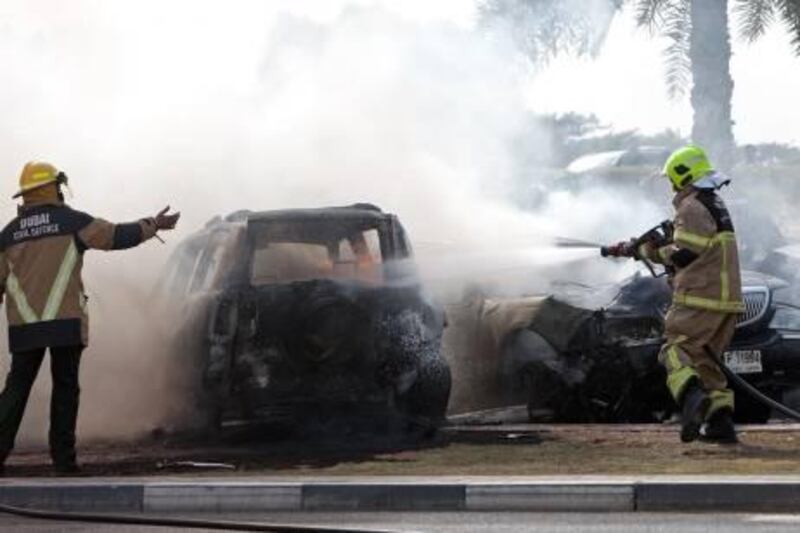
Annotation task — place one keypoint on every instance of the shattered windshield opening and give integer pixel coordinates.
(297, 254)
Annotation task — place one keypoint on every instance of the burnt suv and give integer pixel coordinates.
(309, 318)
(590, 354)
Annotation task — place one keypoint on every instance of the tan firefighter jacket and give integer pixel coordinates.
(703, 252)
(41, 257)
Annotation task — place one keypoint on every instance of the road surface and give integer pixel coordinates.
(473, 522)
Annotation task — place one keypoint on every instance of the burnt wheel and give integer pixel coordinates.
(425, 402)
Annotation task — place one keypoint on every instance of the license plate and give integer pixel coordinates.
(744, 361)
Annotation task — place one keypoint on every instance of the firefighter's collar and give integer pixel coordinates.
(39, 203)
(680, 195)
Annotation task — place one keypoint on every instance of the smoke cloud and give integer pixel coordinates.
(216, 106)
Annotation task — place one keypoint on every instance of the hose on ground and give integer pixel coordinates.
(751, 390)
(224, 525)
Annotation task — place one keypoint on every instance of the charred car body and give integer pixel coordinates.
(592, 356)
(307, 318)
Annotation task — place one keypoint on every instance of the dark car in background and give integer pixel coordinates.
(311, 319)
(589, 355)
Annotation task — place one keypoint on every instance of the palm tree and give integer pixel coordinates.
(698, 53)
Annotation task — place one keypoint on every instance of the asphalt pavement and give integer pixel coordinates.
(470, 521)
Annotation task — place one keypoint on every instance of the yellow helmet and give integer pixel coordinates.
(37, 174)
(687, 165)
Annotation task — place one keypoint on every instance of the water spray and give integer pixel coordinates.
(657, 236)
(566, 242)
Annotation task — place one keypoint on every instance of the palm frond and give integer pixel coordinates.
(672, 19)
(754, 17)
(789, 11)
(650, 13)
(543, 29)
(677, 28)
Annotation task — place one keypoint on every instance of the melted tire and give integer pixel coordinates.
(425, 403)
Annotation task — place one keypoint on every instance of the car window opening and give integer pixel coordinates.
(355, 257)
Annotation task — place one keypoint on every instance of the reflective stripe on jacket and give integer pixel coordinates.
(704, 254)
(41, 258)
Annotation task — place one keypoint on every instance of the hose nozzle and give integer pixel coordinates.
(620, 249)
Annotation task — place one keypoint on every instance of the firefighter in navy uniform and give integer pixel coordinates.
(41, 257)
(707, 297)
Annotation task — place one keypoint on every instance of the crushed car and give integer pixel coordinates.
(590, 354)
(308, 319)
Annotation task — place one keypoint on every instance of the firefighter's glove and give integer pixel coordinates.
(621, 249)
(645, 251)
(166, 221)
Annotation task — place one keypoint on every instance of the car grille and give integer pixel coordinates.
(756, 303)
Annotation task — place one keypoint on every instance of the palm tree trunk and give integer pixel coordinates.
(710, 54)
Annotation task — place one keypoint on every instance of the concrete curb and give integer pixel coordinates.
(771, 497)
(419, 494)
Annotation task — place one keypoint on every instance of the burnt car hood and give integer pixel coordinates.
(641, 291)
(564, 317)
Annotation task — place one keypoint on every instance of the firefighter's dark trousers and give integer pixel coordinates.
(64, 364)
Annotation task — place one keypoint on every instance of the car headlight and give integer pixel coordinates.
(786, 318)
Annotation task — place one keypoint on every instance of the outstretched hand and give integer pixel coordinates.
(167, 221)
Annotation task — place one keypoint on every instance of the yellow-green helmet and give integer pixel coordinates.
(687, 165)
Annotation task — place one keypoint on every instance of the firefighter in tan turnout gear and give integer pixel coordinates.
(41, 256)
(707, 296)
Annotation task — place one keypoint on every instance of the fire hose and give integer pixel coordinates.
(223, 525)
(751, 390)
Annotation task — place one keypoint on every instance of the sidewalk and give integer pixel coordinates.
(544, 494)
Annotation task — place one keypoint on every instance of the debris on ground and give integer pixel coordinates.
(524, 449)
(199, 465)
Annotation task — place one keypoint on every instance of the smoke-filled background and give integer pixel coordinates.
(213, 106)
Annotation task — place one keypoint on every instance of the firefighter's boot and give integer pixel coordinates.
(719, 429)
(694, 407)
